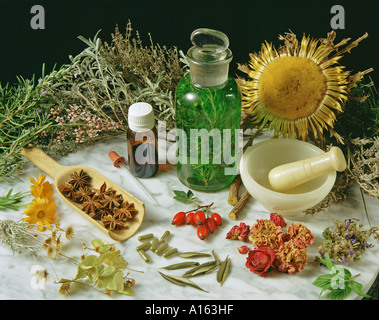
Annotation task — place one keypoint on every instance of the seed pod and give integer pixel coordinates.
(161, 248)
(170, 252)
(145, 237)
(144, 246)
(144, 256)
(154, 244)
(164, 236)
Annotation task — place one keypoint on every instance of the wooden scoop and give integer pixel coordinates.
(61, 174)
(290, 175)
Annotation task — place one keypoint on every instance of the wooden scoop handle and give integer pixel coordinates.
(290, 175)
(42, 160)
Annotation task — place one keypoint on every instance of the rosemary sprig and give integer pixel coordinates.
(11, 201)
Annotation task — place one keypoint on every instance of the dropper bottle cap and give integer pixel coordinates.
(141, 117)
(209, 57)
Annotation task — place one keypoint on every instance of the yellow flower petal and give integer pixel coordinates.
(298, 89)
(41, 212)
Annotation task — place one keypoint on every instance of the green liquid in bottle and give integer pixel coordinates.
(207, 123)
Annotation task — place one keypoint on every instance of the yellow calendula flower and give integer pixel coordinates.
(40, 187)
(41, 212)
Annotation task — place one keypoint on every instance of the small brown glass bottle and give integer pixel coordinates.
(142, 138)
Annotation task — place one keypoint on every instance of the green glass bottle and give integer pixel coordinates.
(208, 115)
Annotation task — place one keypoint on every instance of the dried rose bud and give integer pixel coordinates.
(277, 219)
(240, 232)
(243, 249)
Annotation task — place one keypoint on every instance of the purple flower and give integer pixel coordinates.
(367, 245)
(348, 223)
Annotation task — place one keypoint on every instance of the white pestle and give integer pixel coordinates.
(290, 175)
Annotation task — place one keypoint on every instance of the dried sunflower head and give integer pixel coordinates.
(297, 89)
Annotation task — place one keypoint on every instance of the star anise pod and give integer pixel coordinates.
(125, 211)
(91, 205)
(68, 191)
(112, 200)
(100, 214)
(83, 193)
(103, 191)
(111, 223)
(80, 179)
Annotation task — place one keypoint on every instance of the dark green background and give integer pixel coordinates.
(248, 23)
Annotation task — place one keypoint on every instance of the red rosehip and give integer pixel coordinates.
(217, 218)
(200, 218)
(179, 218)
(202, 232)
(190, 218)
(211, 225)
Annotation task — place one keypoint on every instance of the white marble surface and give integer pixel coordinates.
(15, 276)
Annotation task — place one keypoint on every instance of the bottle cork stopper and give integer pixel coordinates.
(117, 160)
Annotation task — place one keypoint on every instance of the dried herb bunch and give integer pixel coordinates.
(18, 236)
(153, 72)
(358, 127)
(102, 204)
(92, 103)
(24, 119)
(86, 100)
(347, 241)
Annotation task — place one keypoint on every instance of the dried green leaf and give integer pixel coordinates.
(170, 279)
(181, 265)
(226, 271)
(193, 255)
(181, 281)
(88, 262)
(221, 271)
(205, 264)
